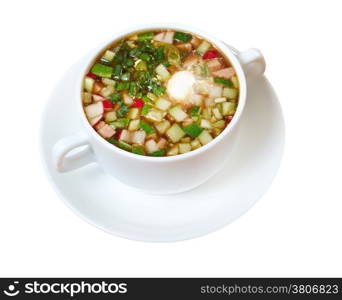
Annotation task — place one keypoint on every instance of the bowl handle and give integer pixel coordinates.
(252, 62)
(64, 161)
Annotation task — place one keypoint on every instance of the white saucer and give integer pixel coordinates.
(102, 201)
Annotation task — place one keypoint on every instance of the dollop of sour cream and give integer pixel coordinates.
(180, 86)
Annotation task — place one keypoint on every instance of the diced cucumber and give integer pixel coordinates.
(87, 99)
(141, 65)
(217, 113)
(152, 97)
(147, 127)
(195, 144)
(193, 130)
(107, 91)
(205, 137)
(138, 150)
(134, 125)
(102, 70)
(145, 109)
(162, 72)
(228, 108)
(230, 93)
(220, 100)
(203, 47)
(235, 81)
(109, 55)
(173, 150)
(175, 133)
(219, 124)
(160, 152)
(154, 115)
(205, 124)
(163, 126)
(133, 113)
(124, 146)
(120, 123)
(88, 84)
(186, 139)
(178, 113)
(163, 104)
(108, 81)
(110, 117)
(183, 148)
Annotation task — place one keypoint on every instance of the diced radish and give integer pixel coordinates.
(197, 99)
(235, 81)
(106, 131)
(162, 143)
(230, 93)
(94, 110)
(159, 37)
(107, 104)
(138, 137)
(220, 99)
(151, 146)
(91, 75)
(138, 103)
(97, 98)
(225, 73)
(95, 120)
(202, 87)
(173, 151)
(168, 38)
(125, 136)
(118, 134)
(228, 108)
(99, 125)
(205, 124)
(214, 65)
(210, 54)
(215, 91)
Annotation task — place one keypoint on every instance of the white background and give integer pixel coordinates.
(294, 230)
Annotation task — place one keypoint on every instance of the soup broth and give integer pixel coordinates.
(160, 93)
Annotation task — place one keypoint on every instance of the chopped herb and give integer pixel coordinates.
(182, 37)
(160, 152)
(145, 109)
(115, 97)
(121, 86)
(122, 111)
(158, 90)
(193, 130)
(146, 127)
(145, 56)
(225, 82)
(195, 110)
(102, 70)
(125, 76)
(138, 150)
(145, 36)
